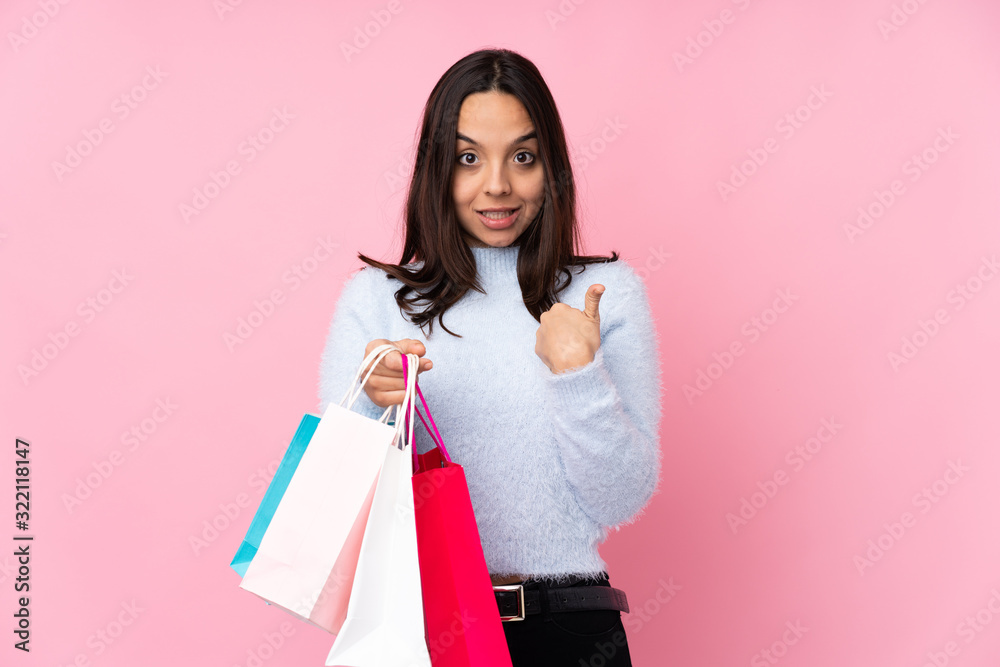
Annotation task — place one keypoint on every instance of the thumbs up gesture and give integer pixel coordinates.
(567, 337)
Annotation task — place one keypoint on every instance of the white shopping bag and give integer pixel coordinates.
(385, 615)
(309, 553)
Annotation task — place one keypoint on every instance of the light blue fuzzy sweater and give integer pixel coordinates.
(552, 460)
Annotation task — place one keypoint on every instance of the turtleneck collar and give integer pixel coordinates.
(496, 263)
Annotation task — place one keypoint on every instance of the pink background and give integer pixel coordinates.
(651, 140)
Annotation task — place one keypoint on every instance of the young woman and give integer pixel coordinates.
(546, 381)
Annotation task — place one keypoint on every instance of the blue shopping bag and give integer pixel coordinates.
(275, 491)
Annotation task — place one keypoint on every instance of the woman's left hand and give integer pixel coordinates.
(567, 337)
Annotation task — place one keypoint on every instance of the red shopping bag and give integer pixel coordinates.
(460, 610)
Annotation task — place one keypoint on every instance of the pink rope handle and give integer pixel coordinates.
(435, 436)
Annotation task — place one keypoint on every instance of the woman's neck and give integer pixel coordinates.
(496, 263)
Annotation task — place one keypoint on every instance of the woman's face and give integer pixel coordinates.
(498, 180)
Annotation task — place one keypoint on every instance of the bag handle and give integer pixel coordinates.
(435, 436)
(376, 354)
(400, 421)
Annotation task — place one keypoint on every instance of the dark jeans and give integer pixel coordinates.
(570, 638)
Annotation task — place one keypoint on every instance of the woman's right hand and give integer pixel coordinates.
(385, 387)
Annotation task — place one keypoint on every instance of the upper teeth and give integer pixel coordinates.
(497, 215)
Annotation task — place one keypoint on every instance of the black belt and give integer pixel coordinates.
(515, 603)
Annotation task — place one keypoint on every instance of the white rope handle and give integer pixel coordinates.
(376, 354)
(408, 405)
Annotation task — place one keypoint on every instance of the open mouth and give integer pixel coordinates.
(499, 219)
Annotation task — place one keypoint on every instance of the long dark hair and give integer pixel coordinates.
(549, 244)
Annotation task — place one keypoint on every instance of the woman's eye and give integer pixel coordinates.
(529, 157)
(462, 160)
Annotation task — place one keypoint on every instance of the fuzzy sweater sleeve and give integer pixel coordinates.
(606, 414)
(356, 322)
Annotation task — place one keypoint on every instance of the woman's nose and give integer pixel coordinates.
(496, 182)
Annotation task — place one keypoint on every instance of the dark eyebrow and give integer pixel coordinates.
(529, 135)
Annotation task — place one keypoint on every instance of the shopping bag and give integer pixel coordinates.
(308, 554)
(275, 490)
(385, 619)
(460, 610)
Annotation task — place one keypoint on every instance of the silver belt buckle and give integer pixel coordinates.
(520, 601)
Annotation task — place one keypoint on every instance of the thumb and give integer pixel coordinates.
(411, 346)
(593, 301)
